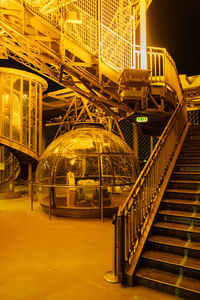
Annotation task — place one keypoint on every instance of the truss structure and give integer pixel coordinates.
(89, 47)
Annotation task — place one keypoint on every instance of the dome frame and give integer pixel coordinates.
(86, 172)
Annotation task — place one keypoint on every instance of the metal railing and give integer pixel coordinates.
(133, 216)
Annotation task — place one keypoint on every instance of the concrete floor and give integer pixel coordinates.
(58, 259)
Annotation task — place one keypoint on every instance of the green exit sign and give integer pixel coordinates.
(142, 119)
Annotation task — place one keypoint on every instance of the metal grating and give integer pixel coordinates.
(193, 117)
(116, 33)
(85, 33)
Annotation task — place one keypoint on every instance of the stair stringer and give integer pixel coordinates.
(130, 271)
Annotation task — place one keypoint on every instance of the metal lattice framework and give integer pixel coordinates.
(86, 46)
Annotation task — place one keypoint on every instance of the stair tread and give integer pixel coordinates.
(183, 261)
(178, 226)
(174, 241)
(186, 172)
(157, 275)
(179, 213)
(182, 201)
(184, 181)
(195, 157)
(190, 284)
(186, 191)
(187, 165)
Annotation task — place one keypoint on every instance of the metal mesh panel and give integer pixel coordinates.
(127, 130)
(193, 117)
(85, 33)
(144, 146)
(116, 33)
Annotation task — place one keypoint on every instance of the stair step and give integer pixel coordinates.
(187, 167)
(181, 205)
(169, 226)
(174, 241)
(182, 201)
(187, 151)
(193, 157)
(188, 160)
(179, 193)
(170, 258)
(184, 184)
(183, 191)
(178, 227)
(185, 175)
(172, 283)
(185, 181)
(176, 213)
(190, 146)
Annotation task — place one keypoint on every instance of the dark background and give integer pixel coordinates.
(175, 25)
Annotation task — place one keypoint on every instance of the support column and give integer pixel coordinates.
(135, 140)
(151, 144)
(143, 34)
(29, 178)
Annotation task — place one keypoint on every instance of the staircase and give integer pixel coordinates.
(171, 258)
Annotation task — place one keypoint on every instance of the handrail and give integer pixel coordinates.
(134, 214)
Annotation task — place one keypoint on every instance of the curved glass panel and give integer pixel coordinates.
(88, 168)
(21, 94)
(9, 170)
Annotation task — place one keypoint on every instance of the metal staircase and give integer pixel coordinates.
(171, 257)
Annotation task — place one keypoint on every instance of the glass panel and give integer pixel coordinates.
(81, 142)
(77, 171)
(44, 170)
(25, 113)
(6, 102)
(16, 116)
(33, 115)
(38, 115)
(10, 169)
(17, 84)
(44, 194)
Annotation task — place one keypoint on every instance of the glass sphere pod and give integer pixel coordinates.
(86, 172)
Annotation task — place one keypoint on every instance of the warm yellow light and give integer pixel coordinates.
(143, 34)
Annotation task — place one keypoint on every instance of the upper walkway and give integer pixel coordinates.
(91, 49)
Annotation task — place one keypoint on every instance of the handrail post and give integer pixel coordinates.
(112, 276)
(122, 272)
(51, 192)
(31, 195)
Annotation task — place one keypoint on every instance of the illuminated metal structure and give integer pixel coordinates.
(21, 111)
(21, 117)
(90, 47)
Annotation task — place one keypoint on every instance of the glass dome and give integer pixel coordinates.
(87, 171)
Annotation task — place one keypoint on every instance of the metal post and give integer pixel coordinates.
(29, 178)
(50, 195)
(31, 195)
(101, 202)
(112, 276)
(143, 34)
(151, 144)
(135, 140)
